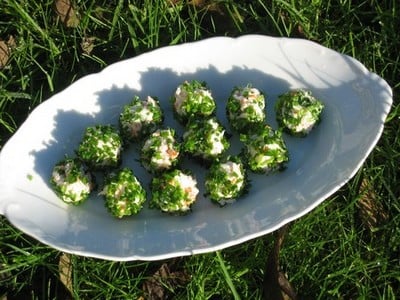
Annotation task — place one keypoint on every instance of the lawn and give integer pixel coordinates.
(346, 248)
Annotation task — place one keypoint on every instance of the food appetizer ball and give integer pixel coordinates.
(226, 180)
(245, 108)
(71, 181)
(205, 139)
(265, 150)
(123, 193)
(174, 191)
(298, 112)
(140, 118)
(160, 151)
(192, 100)
(101, 147)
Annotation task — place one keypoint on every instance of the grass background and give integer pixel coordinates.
(347, 248)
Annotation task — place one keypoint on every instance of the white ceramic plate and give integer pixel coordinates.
(357, 103)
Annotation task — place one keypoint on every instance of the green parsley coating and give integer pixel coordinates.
(298, 111)
(123, 193)
(71, 181)
(139, 118)
(192, 100)
(245, 108)
(101, 147)
(265, 150)
(160, 151)
(174, 191)
(226, 180)
(205, 139)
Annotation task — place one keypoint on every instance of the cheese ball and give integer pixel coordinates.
(298, 112)
(245, 108)
(192, 100)
(100, 147)
(139, 118)
(174, 191)
(123, 193)
(160, 151)
(71, 181)
(226, 180)
(205, 139)
(265, 150)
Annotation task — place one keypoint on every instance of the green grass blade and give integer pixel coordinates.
(115, 19)
(227, 277)
(29, 21)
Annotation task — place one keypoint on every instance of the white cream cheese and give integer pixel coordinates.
(189, 185)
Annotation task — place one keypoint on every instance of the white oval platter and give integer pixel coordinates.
(356, 105)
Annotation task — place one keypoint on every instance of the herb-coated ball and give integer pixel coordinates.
(139, 118)
(192, 100)
(265, 150)
(101, 147)
(160, 151)
(226, 180)
(174, 191)
(298, 112)
(123, 193)
(205, 139)
(245, 108)
(71, 181)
